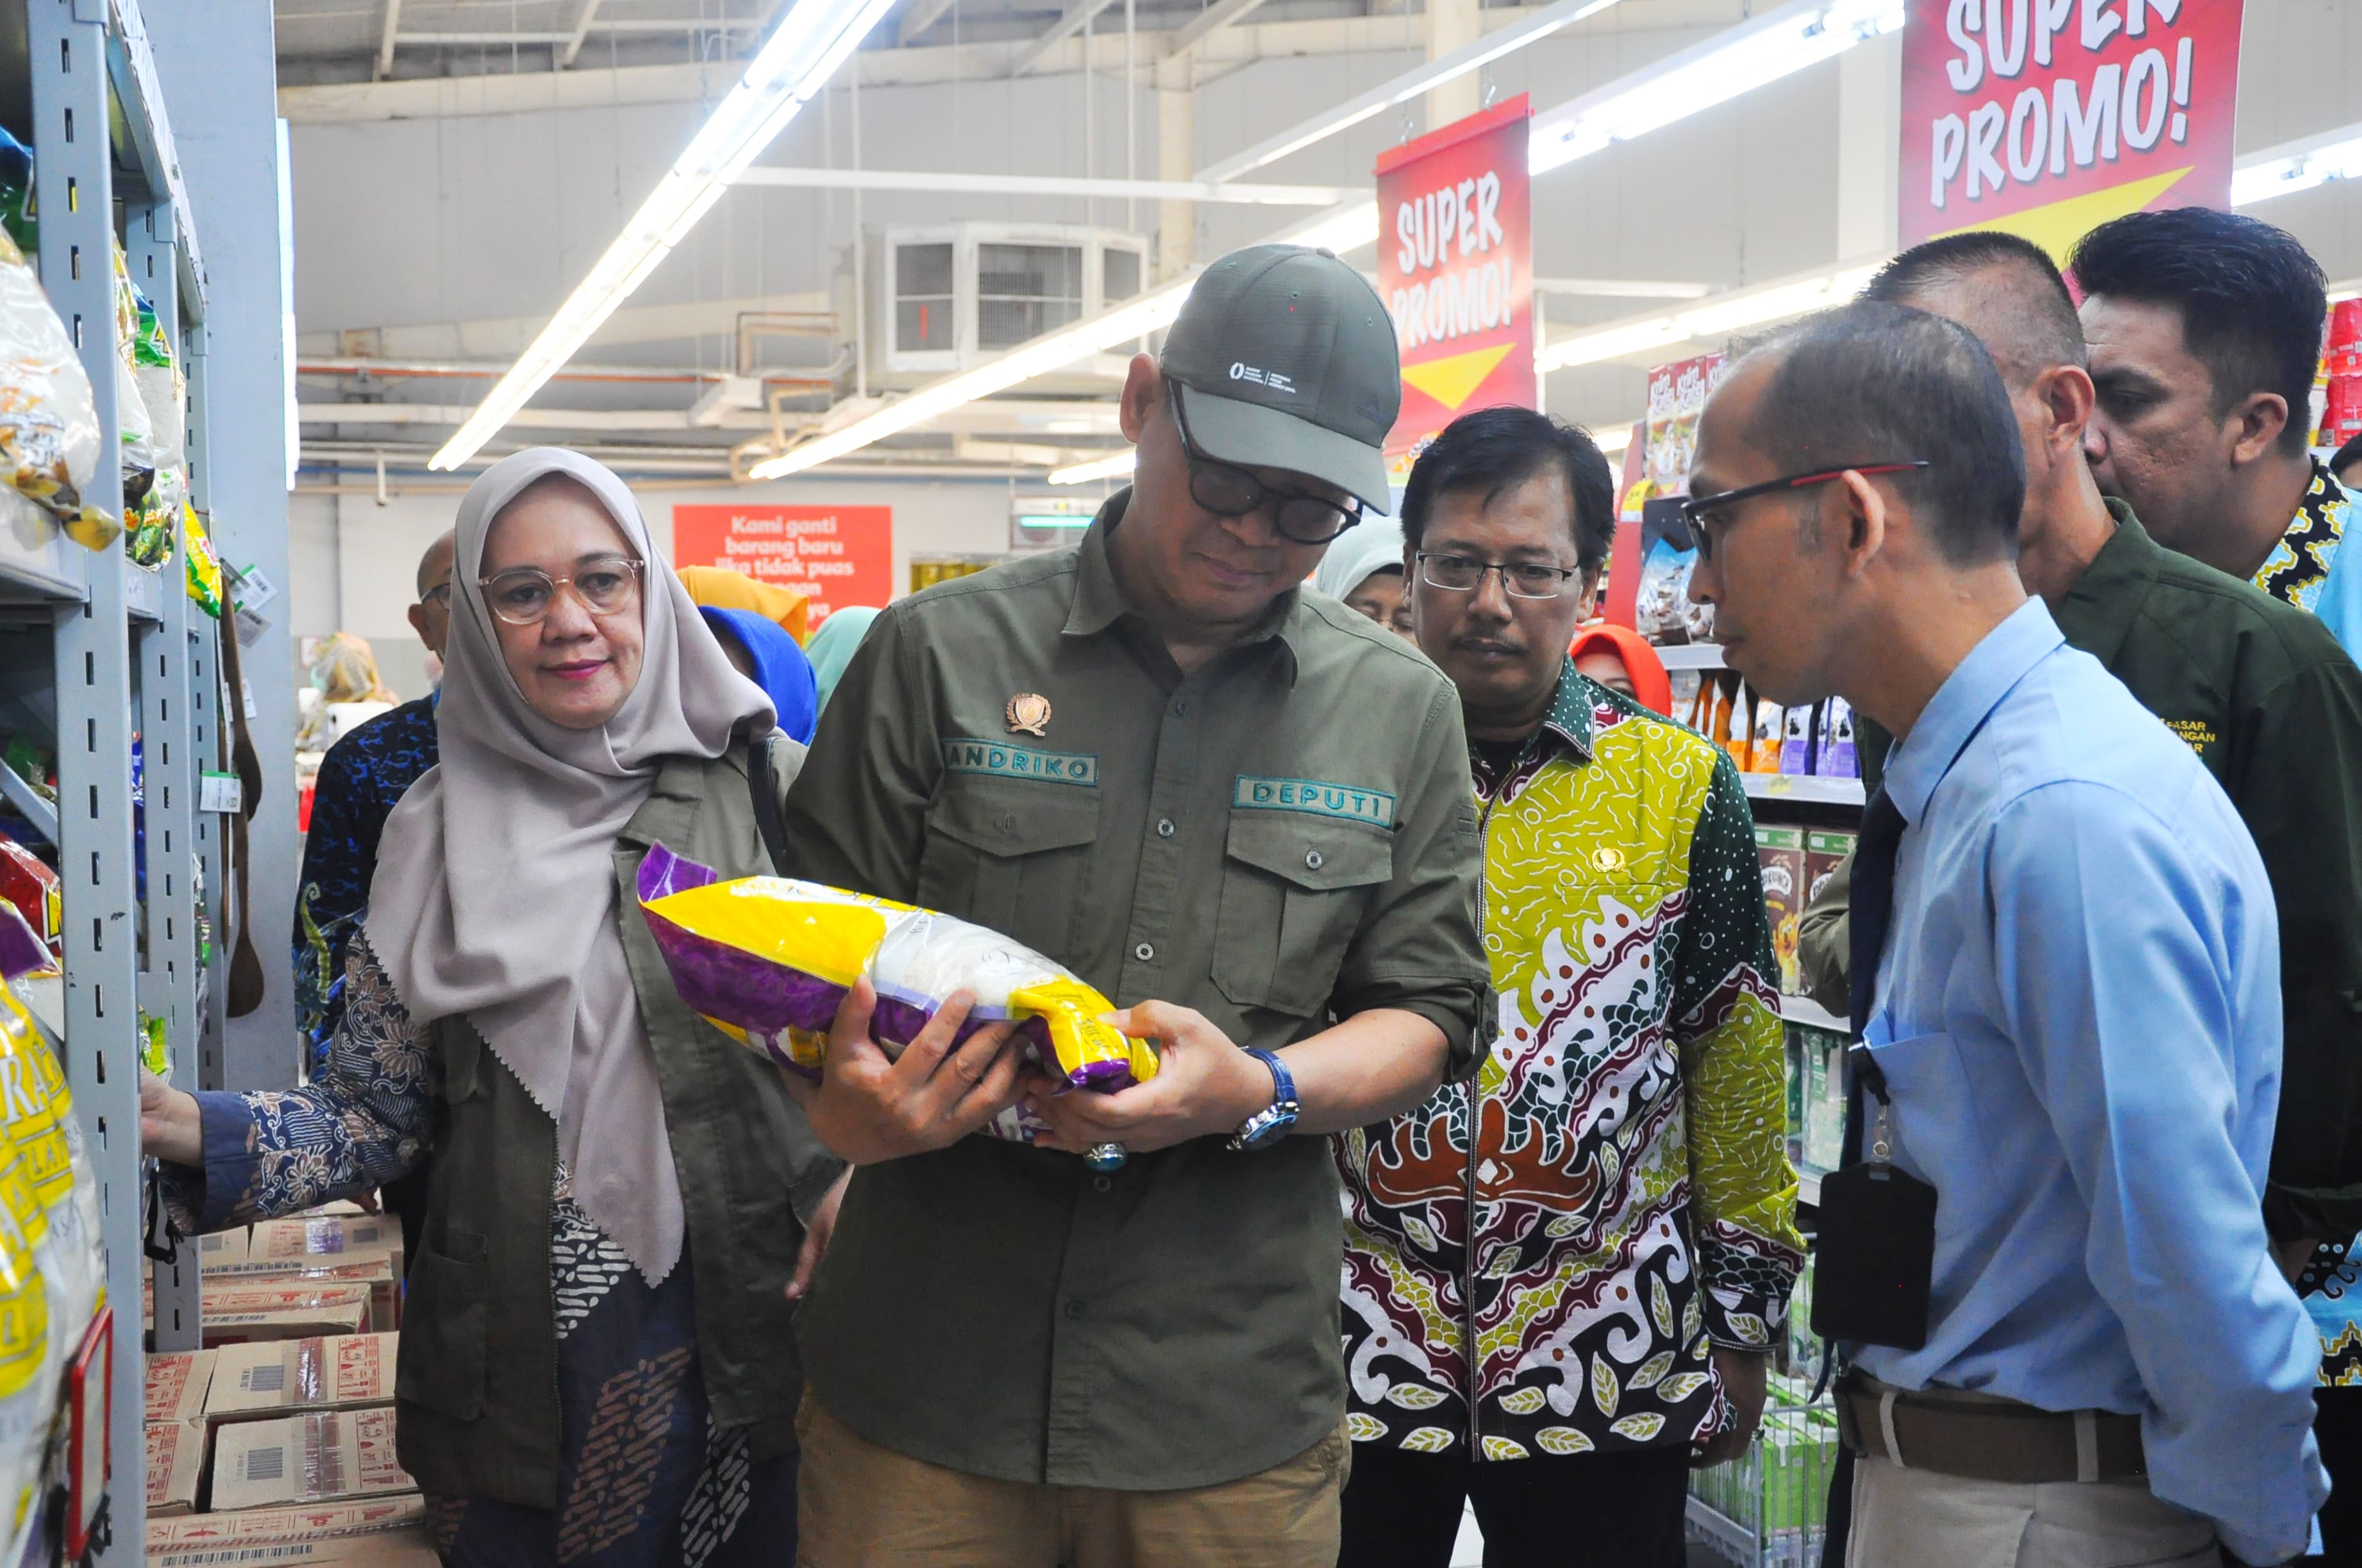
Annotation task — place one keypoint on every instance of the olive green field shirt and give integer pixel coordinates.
(1286, 834)
(2272, 705)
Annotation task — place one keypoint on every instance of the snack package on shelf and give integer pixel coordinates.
(1836, 756)
(1658, 616)
(1771, 723)
(1738, 725)
(28, 883)
(204, 568)
(1825, 851)
(1796, 739)
(1781, 851)
(49, 440)
(768, 959)
(135, 430)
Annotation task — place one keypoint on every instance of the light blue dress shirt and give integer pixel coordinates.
(2077, 1013)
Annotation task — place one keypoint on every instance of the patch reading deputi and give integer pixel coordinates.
(1005, 761)
(1317, 796)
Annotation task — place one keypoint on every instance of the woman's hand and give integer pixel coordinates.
(169, 1126)
(817, 1232)
(869, 1109)
(1204, 1085)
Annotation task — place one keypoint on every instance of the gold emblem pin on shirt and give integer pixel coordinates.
(1028, 713)
(1607, 857)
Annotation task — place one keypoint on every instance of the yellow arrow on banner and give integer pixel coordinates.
(1454, 381)
(2058, 226)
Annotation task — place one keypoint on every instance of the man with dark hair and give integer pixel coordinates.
(2264, 696)
(2205, 332)
(2064, 985)
(2345, 465)
(1563, 1276)
(1241, 811)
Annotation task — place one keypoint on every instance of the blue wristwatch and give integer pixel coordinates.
(1269, 1125)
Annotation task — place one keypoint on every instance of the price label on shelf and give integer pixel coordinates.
(220, 792)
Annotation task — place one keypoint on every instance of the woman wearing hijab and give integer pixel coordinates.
(719, 588)
(596, 1363)
(758, 649)
(1364, 568)
(1620, 658)
(830, 648)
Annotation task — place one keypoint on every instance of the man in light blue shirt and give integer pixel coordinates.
(2076, 1012)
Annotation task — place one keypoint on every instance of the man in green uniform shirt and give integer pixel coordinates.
(1244, 814)
(2259, 690)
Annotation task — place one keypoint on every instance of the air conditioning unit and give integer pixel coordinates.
(949, 296)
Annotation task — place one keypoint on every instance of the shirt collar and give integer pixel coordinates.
(1568, 724)
(2097, 614)
(1965, 700)
(1099, 602)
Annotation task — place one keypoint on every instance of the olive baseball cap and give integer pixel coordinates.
(1287, 360)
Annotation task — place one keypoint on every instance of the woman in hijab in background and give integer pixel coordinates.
(596, 1364)
(1364, 568)
(830, 648)
(758, 649)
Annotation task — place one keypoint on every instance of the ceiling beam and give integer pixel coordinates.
(582, 20)
(1045, 185)
(385, 36)
(926, 13)
(1058, 32)
(1213, 19)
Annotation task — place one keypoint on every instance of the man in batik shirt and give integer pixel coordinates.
(1626, 1180)
(2204, 330)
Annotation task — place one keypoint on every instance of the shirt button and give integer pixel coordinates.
(1313, 859)
(1076, 1309)
(1144, 952)
(1180, 707)
(1101, 1184)
(1165, 828)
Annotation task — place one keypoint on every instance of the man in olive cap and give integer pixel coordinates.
(1242, 812)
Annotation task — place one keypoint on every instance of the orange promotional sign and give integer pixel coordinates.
(2049, 118)
(1456, 268)
(834, 556)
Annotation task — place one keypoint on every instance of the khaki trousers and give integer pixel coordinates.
(1913, 1519)
(862, 1506)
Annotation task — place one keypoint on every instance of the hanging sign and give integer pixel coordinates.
(1456, 268)
(834, 556)
(2049, 118)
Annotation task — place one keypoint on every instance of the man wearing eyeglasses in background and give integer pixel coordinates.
(2065, 981)
(1606, 1209)
(1242, 812)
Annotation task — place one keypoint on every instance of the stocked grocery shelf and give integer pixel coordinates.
(1803, 788)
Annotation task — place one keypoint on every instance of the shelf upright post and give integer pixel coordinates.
(168, 981)
(75, 185)
(211, 835)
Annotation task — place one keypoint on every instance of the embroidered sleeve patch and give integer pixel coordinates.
(1317, 796)
(1007, 761)
(2197, 732)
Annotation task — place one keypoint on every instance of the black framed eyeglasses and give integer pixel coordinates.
(1465, 574)
(439, 595)
(1227, 490)
(1695, 508)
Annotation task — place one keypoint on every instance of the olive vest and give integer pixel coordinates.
(477, 1381)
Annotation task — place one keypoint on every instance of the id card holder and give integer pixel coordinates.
(1874, 1261)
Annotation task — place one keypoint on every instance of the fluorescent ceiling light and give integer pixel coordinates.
(1048, 185)
(2296, 166)
(1113, 467)
(1717, 317)
(1410, 84)
(810, 42)
(1725, 66)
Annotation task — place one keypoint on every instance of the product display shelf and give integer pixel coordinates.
(117, 649)
(1768, 1508)
(1806, 1011)
(1803, 788)
(1690, 656)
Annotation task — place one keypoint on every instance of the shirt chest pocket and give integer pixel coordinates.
(1010, 856)
(1294, 890)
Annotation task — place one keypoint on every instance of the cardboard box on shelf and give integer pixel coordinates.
(315, 1458)
(413, 1547)
(177, 1384)
(176, 1458)
(303, 1522)
(1823, 850)
(228, 1329)
(222, 1247)
(327, 1236)
(303, 1374)
(376, 1270)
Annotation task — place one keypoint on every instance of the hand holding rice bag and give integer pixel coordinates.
(768, 959)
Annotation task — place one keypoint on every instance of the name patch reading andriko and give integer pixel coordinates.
(1005, 761)
(1318, 797)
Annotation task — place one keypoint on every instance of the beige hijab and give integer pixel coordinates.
(495, 888)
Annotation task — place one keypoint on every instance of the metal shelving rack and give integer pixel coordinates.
(124, 650)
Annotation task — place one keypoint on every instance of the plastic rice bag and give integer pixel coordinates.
(768, 959)
(48, 422)
(38, 1110)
